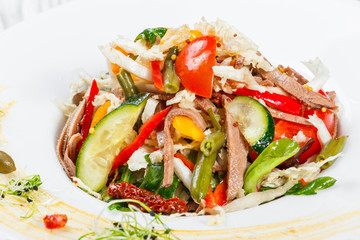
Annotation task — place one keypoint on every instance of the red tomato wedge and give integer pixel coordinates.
(55, 221)
(285, 129)
(194, 65)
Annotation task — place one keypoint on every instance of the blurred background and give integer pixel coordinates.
(14, 11)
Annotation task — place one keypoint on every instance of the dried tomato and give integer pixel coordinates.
(55, 221)
(154, 201)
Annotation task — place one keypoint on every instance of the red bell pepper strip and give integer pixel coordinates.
(157, 76)
(303, 182)
(145, 131)
(278, 101)
(218, 197)
(186, 161)
(220, 193)
(210, 199)
(285, 129)
(89, 111)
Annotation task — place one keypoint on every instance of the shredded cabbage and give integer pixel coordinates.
(127, 63)
(320, 71)
(322, 133)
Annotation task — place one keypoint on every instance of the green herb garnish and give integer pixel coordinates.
(129, 226)
(150, 34)
(24, 189)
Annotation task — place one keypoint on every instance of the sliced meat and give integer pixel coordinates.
(266, 83)
(292, 87)
(71, 148)
(168, 142)
(288, 117)
(163, 97)
(237, 149)
(74, 122)
(205, 104)
(216, 98)
(218, 167)
(336, 122)
(294, 74)
(77, 98)
(65, 161)
(331, 95)
(239, 62)
(66, 140)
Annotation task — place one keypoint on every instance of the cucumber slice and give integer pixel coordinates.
(255, 121)
(97, 154)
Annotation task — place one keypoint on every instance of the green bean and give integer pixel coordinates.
(334, 147)
(311, 187)
(212, 143)
(213, 119)
(127, 84)
(202, 173)
(171, 80)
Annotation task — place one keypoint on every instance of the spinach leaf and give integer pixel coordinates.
(154, 177)
(150, 34)
(168, 192)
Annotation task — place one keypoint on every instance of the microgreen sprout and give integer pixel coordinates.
(23, 190)
(129, 226)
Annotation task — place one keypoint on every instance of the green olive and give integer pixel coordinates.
(7, 164)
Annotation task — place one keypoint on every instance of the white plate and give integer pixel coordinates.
(39, 58)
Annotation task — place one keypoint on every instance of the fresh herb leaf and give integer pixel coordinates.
(150, 34)
(130, 228)
(24, 189)
(168, 192)
(154, 176)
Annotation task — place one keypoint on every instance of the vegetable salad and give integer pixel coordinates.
(198, 120)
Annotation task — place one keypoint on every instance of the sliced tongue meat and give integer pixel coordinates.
(292, 87)
(65, 144)
(288, 117)
(168, 142)
(237, 149)
(205, 104)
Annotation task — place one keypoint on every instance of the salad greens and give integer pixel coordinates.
(312, 187)
(150, 34)
(214, 119)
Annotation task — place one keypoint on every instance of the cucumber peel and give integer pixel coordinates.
(255, 121)
(97, 154)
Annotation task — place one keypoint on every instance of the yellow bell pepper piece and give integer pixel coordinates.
(100, 113)
(114, 67)
(194, 34)
(188, 128)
